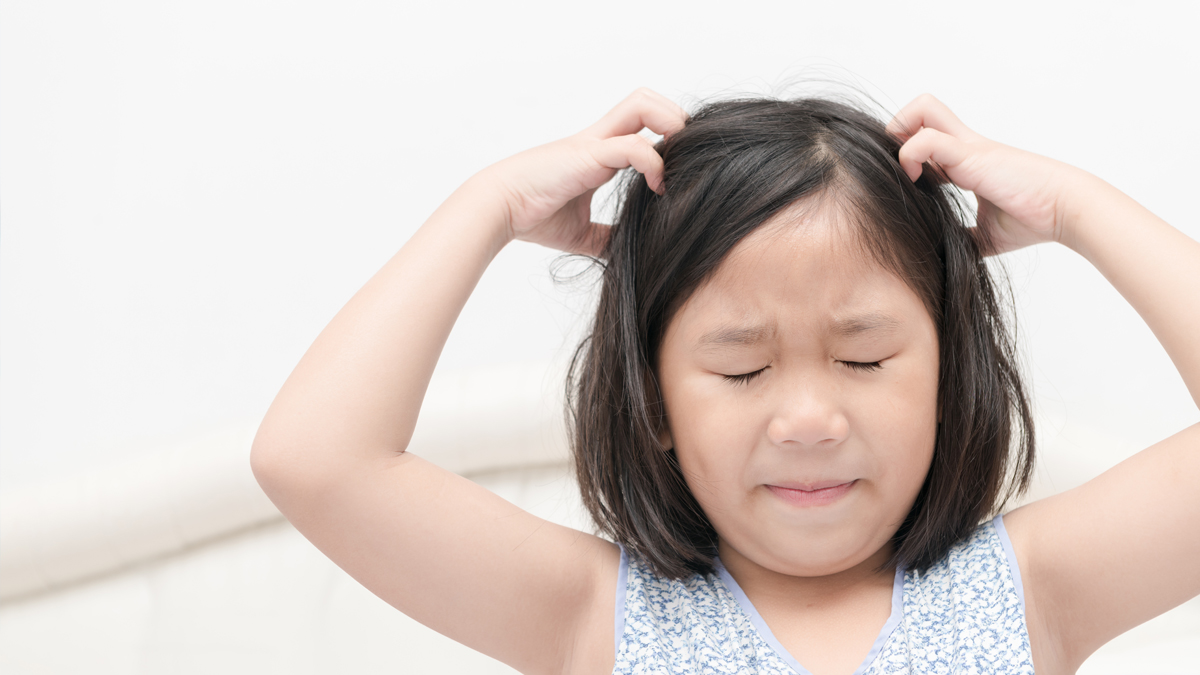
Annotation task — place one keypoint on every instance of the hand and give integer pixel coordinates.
(548, 190)
(1022, 196)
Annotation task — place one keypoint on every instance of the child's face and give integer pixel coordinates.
(797, 299)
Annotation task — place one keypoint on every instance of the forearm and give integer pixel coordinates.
(356, 394)
(1151, 264)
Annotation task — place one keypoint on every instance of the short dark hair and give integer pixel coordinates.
(733, 166)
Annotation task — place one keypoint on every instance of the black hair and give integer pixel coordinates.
(733, 166)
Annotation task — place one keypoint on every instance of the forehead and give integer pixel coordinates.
(805, 269)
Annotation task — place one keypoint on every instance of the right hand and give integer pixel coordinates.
(548, 189)
(1022, 197)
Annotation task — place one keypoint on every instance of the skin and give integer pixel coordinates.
(1095, 561)
(841, 358)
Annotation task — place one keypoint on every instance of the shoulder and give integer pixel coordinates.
(968, 605)
(591, 649)
(980, 572)
(693, 624)
(1115, 552)
(646, 596)
(983, 557)
(638, 618)
(1049, 656)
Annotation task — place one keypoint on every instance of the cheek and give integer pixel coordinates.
(905, 428)
(710, 436)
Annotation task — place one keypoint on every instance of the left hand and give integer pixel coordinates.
(1022, 196)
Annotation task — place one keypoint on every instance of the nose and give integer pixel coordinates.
(807, 416)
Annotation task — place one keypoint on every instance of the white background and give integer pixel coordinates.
(190, 191)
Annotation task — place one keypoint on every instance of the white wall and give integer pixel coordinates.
(191, 190)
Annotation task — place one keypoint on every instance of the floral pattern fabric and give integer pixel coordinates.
(965, 615)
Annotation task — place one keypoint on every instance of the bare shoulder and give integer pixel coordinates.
(594, 650)
(1110, 554)
(1049, 658)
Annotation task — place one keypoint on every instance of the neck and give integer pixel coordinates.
(760, 582)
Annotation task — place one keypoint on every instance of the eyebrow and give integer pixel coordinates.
(736, 335)
(871, 322)
(848, 327)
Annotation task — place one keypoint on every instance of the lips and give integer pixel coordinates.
(811, 487)
(819, 493)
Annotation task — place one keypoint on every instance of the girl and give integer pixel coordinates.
(795, 415)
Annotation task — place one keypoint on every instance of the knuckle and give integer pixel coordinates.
(641, 97)
(911, 151)
(927, 134)
(628, 143)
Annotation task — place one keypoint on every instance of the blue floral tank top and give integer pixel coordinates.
(966, 614)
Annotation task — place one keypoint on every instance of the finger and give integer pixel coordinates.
(631, 150)
(927, 111)
(641, 109)
(931, 144)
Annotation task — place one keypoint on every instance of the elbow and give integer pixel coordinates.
(285, 472)
(269, 466)
(264, 464)
(298, 474)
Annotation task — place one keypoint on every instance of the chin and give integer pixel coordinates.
(822, 557)
(819, 567)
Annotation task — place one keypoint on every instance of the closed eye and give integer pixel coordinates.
(865, 367)
(744, 377)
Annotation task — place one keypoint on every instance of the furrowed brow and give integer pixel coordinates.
(735, 336)
(862, 324)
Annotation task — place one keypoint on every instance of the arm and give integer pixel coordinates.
(1123, 548)
(331, 450)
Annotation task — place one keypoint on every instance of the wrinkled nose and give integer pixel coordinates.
(807, 417)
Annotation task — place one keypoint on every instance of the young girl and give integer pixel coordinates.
(796, 415)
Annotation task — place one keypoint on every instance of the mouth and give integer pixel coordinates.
(815, 494)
